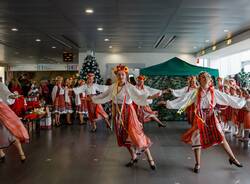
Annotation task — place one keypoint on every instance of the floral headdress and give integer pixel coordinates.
(119, 68)
(141, 78)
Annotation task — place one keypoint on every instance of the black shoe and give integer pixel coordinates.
(162, 125)
(196, 168)
(94, 130)
(132, 162)
(23, 159)
(152, 164)
(2, 159)
(232, 161)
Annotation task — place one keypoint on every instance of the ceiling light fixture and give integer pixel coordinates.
(226, 31)
(53, 47)
(106, 40)
(99, 29)
(38, 40)
(207, 41)
(14, 29)
(110, 46)
(214, 48)
(89, 11)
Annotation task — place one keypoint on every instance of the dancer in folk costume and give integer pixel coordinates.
(192, 85)
(81, 103)
(128, 129)
(206, 130)
(145, 113)
(58, 99)
(240, 117)
(12, 130)
(225, 112)
(95, 111)
(69, 94)
(234, 112)
(246, 120)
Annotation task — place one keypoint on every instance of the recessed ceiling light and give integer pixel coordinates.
(195, 47)
(89, 11)
(99, 29)
(110, 46)
(214, 47)
(106, 40)
(226, 31)
(14, 29)
(38, 40)
(53, 47)
(207, 41)
(139, 47)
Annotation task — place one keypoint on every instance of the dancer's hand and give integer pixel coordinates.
(89, 98)
(166, 91)
(154, 96)
(162, 103)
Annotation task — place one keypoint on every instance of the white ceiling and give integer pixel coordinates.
(131, 26)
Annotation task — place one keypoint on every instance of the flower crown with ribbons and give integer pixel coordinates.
(119, 68)
(141, 78)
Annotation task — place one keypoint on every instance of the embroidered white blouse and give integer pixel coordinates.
(180, 92)
(219, 98)
(54, 91)
(118, 94)
(90, 89)
(5, 94)
(150, 92)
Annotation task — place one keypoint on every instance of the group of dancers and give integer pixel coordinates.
(130, 110)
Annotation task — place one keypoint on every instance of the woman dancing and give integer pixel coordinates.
(12, 130)
(145, 113)
(128, 129)
(206, 130)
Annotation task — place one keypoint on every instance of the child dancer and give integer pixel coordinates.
(58, 99)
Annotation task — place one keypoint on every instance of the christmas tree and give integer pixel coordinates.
(91, 66)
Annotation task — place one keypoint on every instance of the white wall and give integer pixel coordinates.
(229, 60)
(2, 73)
(133, 59)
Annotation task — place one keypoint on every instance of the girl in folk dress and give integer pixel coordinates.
(12, 130)
(81, 103)
(206, 130)
(128, 129)
(145, 113)
(192, 85)
(69, 99)
(95, 111)
(58, 100)
(246, 120)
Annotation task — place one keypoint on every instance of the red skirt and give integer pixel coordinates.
(10, 120)
(82, 108)
(59, 105)
(246, 120)
(145, 113)
(95, 111)
(205, 132)
(129, 130)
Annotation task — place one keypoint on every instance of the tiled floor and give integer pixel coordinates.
(73, 155)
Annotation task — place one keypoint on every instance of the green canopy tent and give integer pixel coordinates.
(176, 67)
(171, 74)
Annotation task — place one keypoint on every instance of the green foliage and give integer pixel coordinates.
(165, 82)
(91, 66)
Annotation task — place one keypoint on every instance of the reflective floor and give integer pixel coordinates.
(73, 155)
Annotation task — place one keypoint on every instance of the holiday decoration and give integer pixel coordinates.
(243, 79)
(91, 66)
